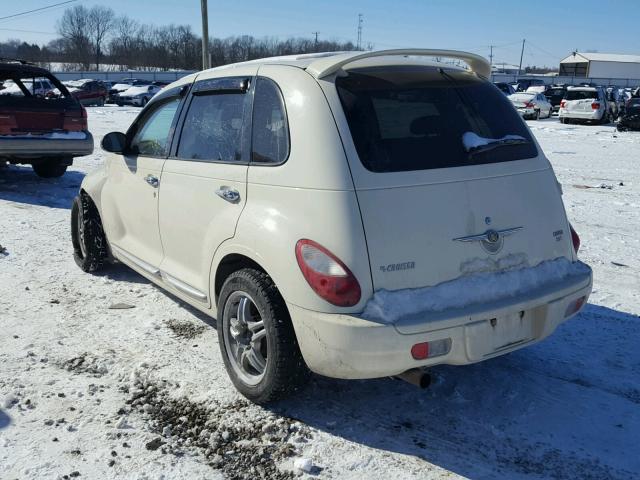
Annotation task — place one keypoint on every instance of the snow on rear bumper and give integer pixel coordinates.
(581, 115)
(348, 346)
(53, 145)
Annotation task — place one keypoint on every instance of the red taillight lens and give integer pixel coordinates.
(563, 104)
(75, 121)
(528, 105)
(574, 306)
(327, 275)
(434, 348)
(595, 105)
(575, 239)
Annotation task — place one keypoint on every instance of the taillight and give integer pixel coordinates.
(75, 121)
(435, 348)
(575, 239)
(327, 275)
(563, 104)
(595, 105)
(528, 105)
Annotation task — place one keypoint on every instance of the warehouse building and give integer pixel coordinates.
(601, 65)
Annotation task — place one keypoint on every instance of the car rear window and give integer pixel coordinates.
(581, 94)
(409, 118)
(556, 92)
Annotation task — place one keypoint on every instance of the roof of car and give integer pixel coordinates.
(21, 68)
(324, 64)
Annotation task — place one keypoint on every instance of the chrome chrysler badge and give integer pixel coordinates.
(491, 240)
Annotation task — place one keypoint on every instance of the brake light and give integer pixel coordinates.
(563, 104)
(595, 105)
(575, 239)
(75, 121)
(528, 105)
(574, 306)
(327, 275)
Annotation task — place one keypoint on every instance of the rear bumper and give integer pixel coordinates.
(129, 101)
(347, 346)
(586, 115)
(526, 112)
(35, 147)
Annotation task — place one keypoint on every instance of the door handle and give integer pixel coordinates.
(228, 194)
(152, 180)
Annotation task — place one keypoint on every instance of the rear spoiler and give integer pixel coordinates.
(325, 66)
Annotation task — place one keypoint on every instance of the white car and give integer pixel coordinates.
(39, 88)
(531, 105)
(138, 96)
(359, 215)
(584, 104)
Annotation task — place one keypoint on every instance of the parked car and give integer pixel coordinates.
(138, 96)
(39, 87)
(505, 88)
(87, 91)
(531, 105)
(524, 83)
(584, 104)
(43, 132)
(361, 215)
(123, 85)
(630, 119)
(617, 100)
(554, 95)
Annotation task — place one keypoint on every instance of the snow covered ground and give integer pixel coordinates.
(86, 390)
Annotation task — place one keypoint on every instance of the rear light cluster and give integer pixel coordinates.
(528, 105)
(563, 104)
(575, 239)
(75, 121)
(327, 275)
(595, 105)
(574, 306)
(435, 348)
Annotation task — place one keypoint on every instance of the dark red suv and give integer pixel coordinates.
(38, 129)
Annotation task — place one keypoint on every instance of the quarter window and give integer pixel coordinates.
(270, 142)
(213, 127)
(152, 136)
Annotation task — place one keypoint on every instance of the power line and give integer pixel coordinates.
(26, 31)
(37, 9)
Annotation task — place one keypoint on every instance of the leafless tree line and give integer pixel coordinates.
(97, 38)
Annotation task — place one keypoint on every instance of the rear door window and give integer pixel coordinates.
(214, 126)
(415, 118)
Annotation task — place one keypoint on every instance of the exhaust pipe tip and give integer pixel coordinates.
(416, 377)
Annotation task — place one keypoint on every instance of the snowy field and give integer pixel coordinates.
(88, 391)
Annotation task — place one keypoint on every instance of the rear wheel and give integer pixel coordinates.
(87, 235)
(49, 169)
(256, 338)
(145, 100)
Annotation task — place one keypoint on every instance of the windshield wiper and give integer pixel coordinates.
(493, 144)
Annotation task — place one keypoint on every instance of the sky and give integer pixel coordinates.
(552, 28)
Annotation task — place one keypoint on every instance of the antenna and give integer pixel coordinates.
(359, 31)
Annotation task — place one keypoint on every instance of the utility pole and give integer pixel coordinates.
(359, 31)
(316, 41)
(521, 55)
(205, 35)
(490, 54)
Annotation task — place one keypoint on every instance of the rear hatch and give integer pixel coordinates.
(449, 180)
(580, 100)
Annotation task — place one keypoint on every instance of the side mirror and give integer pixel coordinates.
(114, 142)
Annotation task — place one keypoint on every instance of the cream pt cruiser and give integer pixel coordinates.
(355, 214)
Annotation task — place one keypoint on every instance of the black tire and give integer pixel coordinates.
(536, 116)
(89, 246)
(145, 100)
(285, 371)
(49, 169)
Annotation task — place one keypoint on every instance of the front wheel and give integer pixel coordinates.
(87, 235)
(256, 338)
(49, 169)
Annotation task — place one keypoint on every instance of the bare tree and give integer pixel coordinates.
(73, 26)
(100, 22)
